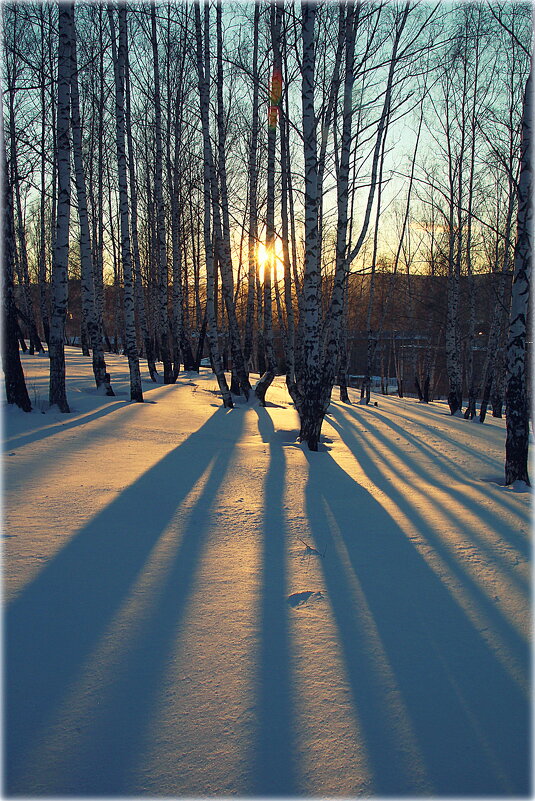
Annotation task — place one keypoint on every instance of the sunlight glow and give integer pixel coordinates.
(263, 257)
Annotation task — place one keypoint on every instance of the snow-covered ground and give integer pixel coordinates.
(197, 605)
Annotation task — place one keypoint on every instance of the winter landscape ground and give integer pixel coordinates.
(197, 605)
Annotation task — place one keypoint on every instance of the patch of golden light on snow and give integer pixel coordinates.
(208, 687)
(399, 717)
(395, 471)
(63, 736)
(453, 525)
(67, 500)
(419, 434)
(333, 753)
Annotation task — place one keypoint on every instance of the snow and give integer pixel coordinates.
(197, 605)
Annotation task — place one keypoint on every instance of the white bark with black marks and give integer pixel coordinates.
(289, 341)
(516, 398)
(136, 258)
(161, 251)
(336, 311)
(89, 316)
(204, 99)
(15, 384)
(310, 402)
(119, 61)
(253, 199)
(57, 391)
(12, 69)
(269, 266)
(221, 220)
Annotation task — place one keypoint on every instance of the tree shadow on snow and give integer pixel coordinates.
(273, 765)
(48, 428)
(54, 625)
(365, 414)
(440, 478)
(420, 414)
(21, 474)
(516, 644)
(438, 713)
(73, 419)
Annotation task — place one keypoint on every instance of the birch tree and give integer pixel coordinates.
(13, 69)
(221, 220)
(317, 361)
(15, 384)
(253, 197)
(454, 226)
(503, 165)
(161, 253)
(204, 100)
(42, 273)
(310, 404)
(269, 266)
(175, 122)
(57, 392)
(517, 410)
(287, 232)
(119, 54)
(147, 340)
(89, 314)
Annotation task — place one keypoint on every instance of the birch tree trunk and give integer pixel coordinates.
(181, 340)
(20, 245)
(221, 222)
(338, 300)
(52, 66)
(453, 354)
(310, 404)
(26, 298)
(516, 397)
(89, 317)
(269, 266)
(372, 337)
(16, 391)
(253, 200)
(57, 391)
(136, 258)
(473, 380)
(98, 265)
(289, 342)
(119, 55)
(24, 281)
(343, 364)
(163, 276)
(182, 344)
(495, 363)
(495, 342)
(204, 99)
(43, 295)
(330, 110)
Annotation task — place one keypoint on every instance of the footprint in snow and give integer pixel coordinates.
(303, 598)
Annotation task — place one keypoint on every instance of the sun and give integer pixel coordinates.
(262, 258)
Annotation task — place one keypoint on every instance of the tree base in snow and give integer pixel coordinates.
(263, 386)
(455, 402)
(311, 422)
